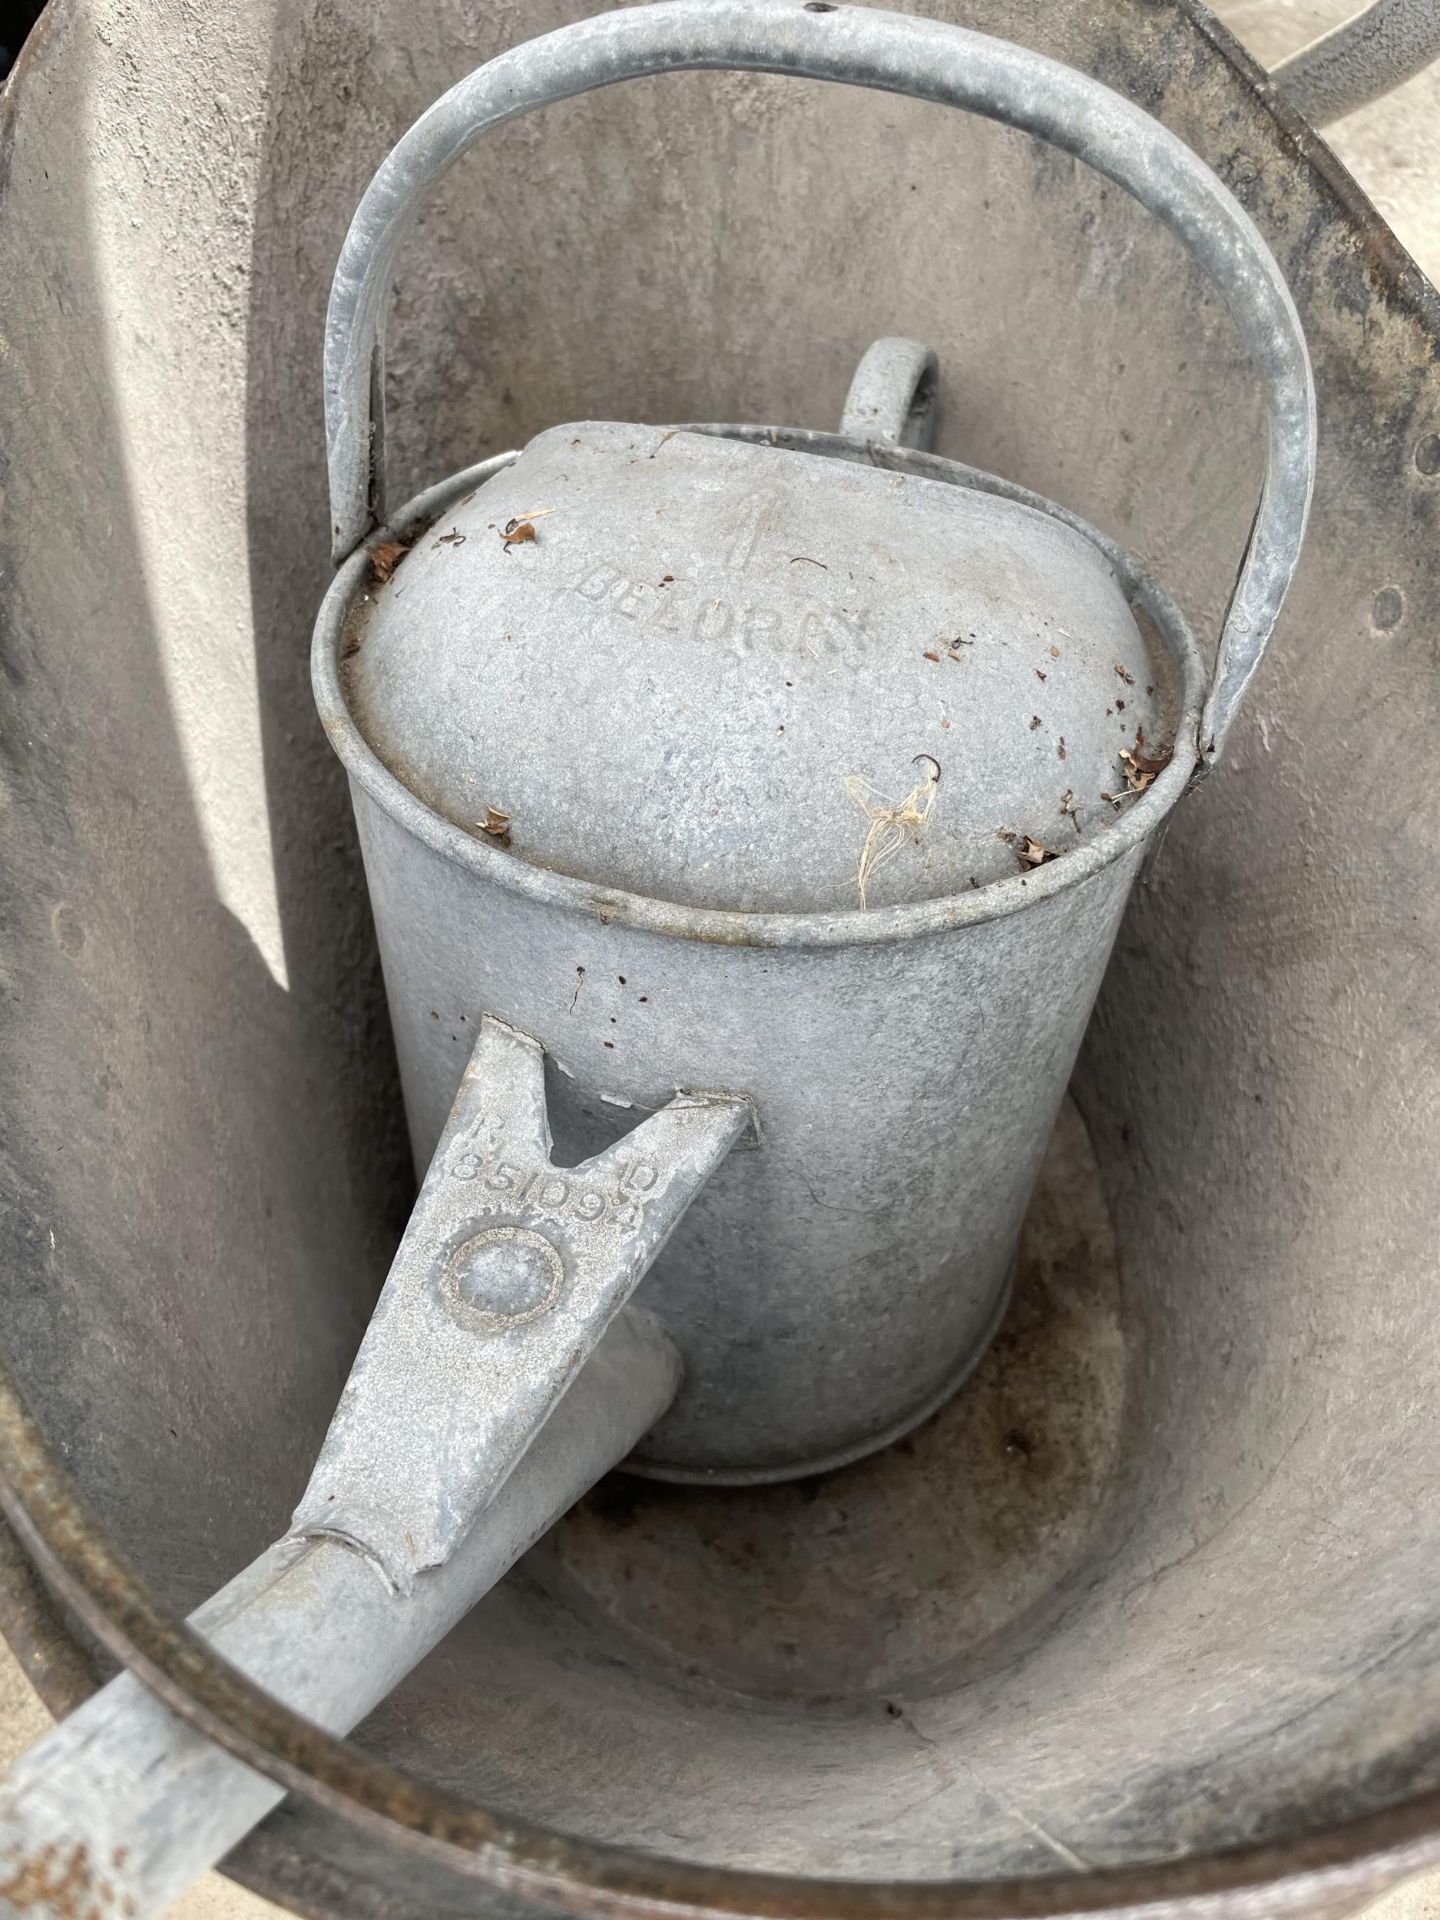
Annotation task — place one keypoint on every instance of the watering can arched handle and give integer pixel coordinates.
(894, 53)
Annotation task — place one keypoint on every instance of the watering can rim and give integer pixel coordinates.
(729, 927)
(453, 706)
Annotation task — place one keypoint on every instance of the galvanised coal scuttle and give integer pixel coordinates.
(748, 814)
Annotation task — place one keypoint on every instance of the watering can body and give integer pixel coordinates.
(839, 1275)
(620, 784)
(609, 692)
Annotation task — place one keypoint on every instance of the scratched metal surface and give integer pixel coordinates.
(1242, 1645)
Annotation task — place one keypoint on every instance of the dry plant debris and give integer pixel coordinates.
(1142, 769)
(496, 824)
(1033, 853)
(385, 556)
(892, 822)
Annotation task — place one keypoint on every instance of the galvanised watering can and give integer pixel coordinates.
(804, 771)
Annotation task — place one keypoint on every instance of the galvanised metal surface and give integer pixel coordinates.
(509, 1273)
(659, 641)
(1379, 49)
(682, 688)
(858, 46)
(719, 669)
(434, 1478)
(832, 1285)
(828, 1287)
(1227, 1680)
(122, 1806)
(893, 394)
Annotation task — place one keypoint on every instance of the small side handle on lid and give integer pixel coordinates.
(893, 394)
(894, 53)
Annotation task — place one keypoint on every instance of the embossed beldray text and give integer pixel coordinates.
(683, 607)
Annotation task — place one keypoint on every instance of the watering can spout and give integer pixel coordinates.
(125, 1796)
(510, 1271)
(502, 1316)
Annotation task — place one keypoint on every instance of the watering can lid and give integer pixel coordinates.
(726, 675)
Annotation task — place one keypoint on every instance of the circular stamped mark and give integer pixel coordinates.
(502, 1277)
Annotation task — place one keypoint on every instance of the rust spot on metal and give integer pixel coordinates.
(49, 1882)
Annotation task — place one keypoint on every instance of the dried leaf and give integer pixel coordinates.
(1033, 853)
(496, 824)
(1054, 653)
(517, 532)
(1035, 722)
(931, 656)
(385, 556)
(1136, 780)
(1128, 678)
(1142, 769)
(453, 539)
(1060, 750)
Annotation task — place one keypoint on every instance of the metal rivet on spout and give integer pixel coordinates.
(502, 1277)
(1388, 609)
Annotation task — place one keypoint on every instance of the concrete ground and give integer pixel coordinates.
(1392, 151)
